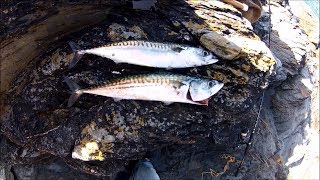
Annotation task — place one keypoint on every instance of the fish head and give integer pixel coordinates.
(201, 90)
(205, 56)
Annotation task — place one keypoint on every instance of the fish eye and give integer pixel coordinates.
(211, 84)
(205, 53)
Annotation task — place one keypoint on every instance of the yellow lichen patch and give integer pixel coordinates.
(219, 28)
(221, 77)
(242, 81)
(176, 23)
(239, 73)
(84, 141)
(233, 47)
(117, 32)
(109, 151)
(135, 133)
(278, 159)
(68, 57)
(237, 98)
(140, 121)
(95, 142)
(256, 51)
(85, 130)
(107, 147)
(120, 129)
(261, 62)
(235, 72)
(138, 30)
(195, 26)
(241, 77)
(88, 151)
(113, 36)
(224, 23)
(108, 118)
(246, 67)
(230, 159)
(172, 33)
(57, 60)
(133, 127)
(217, 15)
(218, 76)
(90, 126)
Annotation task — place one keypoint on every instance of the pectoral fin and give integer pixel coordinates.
(177, 49)
(167, 103)
(177, 85)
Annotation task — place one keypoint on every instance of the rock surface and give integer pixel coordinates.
(181, 140)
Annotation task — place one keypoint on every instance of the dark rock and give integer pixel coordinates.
(101, 137)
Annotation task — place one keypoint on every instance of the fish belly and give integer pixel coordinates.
(150, 57)
(149, 93)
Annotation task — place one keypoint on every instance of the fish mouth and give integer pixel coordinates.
(214, 60)
(202, 102)
(205, 101)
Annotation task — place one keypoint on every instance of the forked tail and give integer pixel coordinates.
(76, 91)
(77, 54)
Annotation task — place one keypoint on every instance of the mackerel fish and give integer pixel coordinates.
(165, 87)
(152, 54)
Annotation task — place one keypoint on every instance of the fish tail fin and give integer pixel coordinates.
(77, 54)
(76, 91)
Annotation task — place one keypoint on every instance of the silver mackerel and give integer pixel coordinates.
(165, 87)
(152, 54)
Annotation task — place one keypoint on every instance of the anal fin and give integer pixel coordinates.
(116, 99)
(167, 103)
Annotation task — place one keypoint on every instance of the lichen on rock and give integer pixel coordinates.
(117, 32)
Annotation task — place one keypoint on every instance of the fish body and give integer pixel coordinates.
(165, 87)
(151, 54)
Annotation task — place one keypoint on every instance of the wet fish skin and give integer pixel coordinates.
(165, 87)
(151, 54)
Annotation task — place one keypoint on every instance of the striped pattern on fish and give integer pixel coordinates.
(165, 87)
(151, 54)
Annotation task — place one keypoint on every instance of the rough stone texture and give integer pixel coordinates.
(295, 102)
(183, 141)
(60, 21)
(55, 170)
